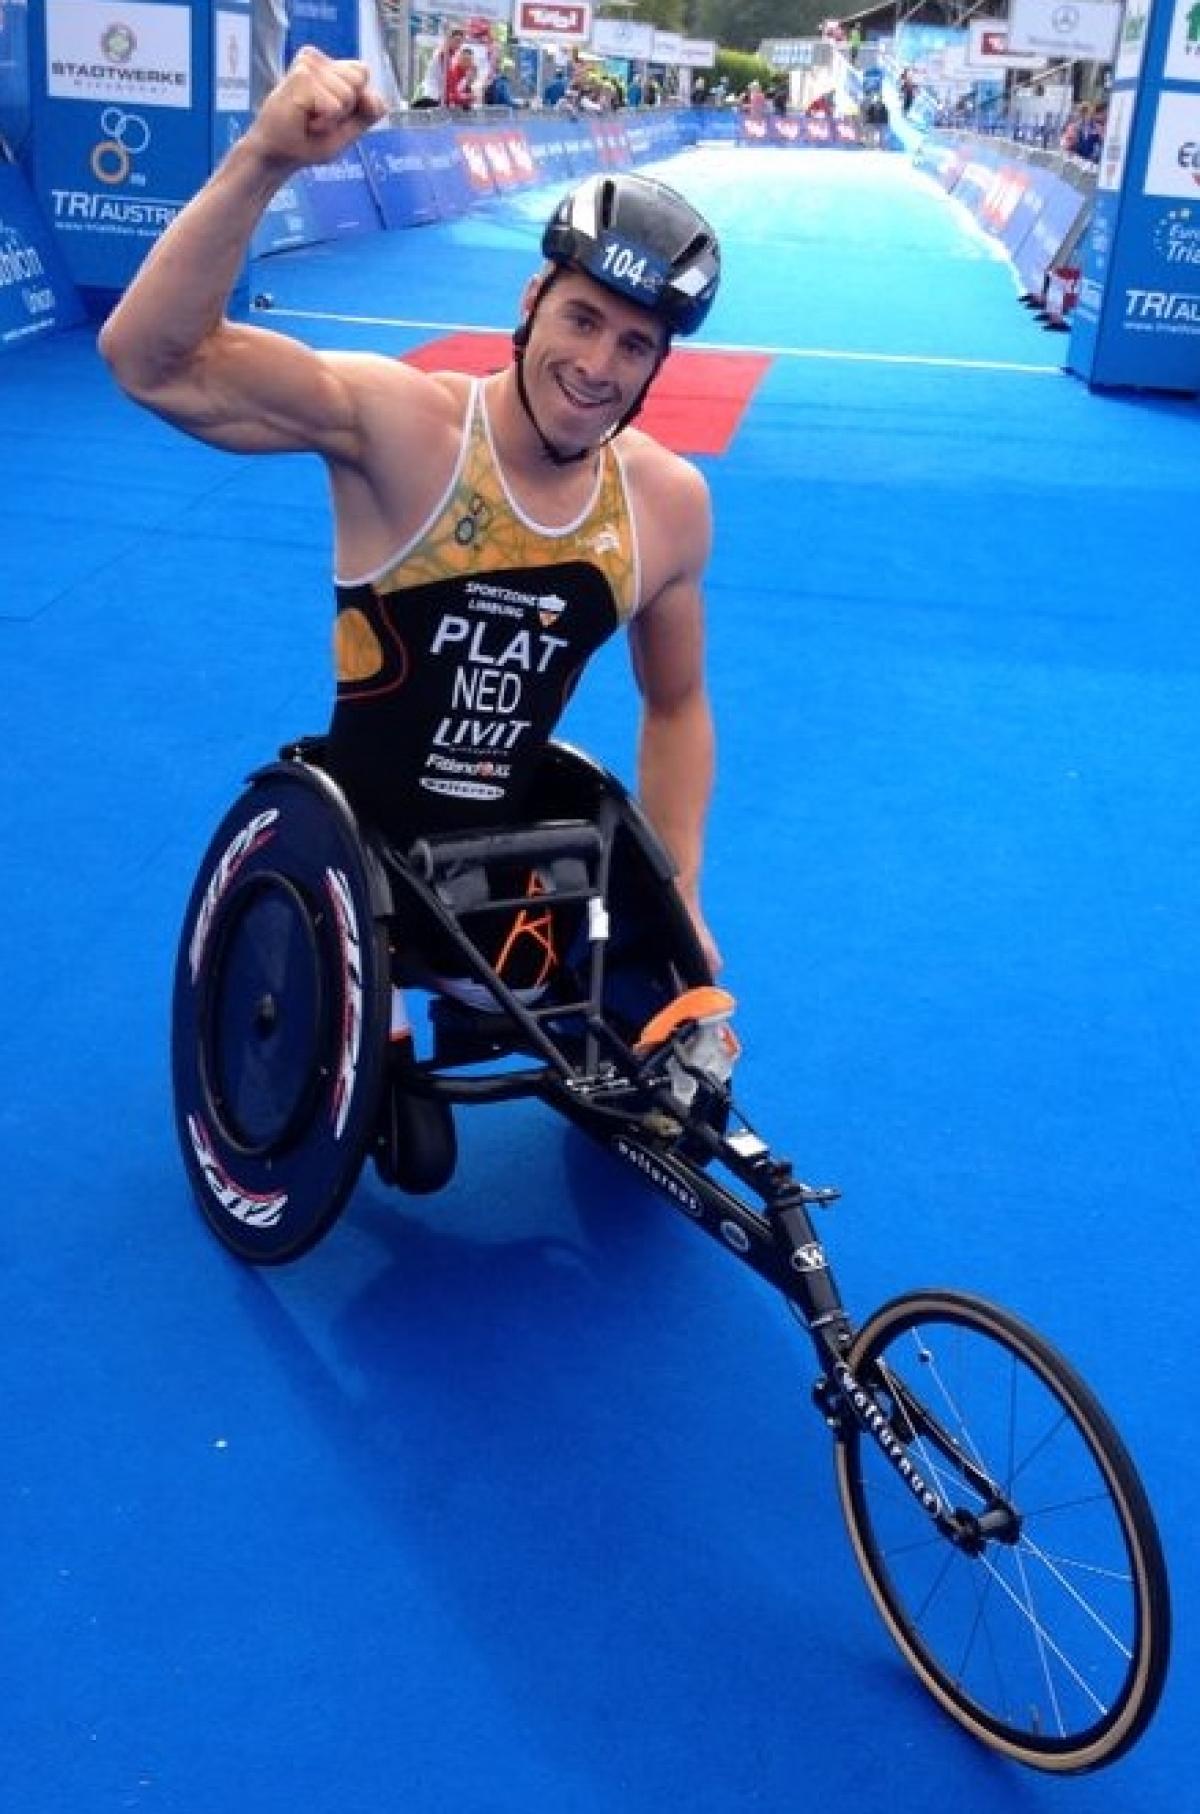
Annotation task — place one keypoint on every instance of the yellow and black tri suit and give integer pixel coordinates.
(456, 659)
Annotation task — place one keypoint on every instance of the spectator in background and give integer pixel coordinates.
(854, 42)
(755, 103)
(461, 79)
(633, 94)
(435, 83)
(556, 88)
(652, 94)
(780, 95)
(876, 119)
(908, 90)
(1089, 139)
(498, 90)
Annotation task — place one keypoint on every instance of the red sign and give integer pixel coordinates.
(570, 21)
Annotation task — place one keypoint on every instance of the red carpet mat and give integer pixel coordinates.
(694, 408)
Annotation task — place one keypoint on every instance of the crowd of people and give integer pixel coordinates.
(468, 69)
(471, 68)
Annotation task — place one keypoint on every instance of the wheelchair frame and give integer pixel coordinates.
(278, 1099)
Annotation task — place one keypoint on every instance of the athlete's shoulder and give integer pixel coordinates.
(653, 465)
(660, 477)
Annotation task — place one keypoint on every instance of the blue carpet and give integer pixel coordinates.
(513, 1499)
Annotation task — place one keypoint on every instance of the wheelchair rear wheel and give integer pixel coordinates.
(280, 1018)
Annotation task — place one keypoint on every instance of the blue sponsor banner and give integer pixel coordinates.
(1050, 213)
(447, 169)
(941, 159)
(548, 145)
(228, 96)
(341, 198)
(399, 177)
(36, 294)
(290, 220)
(582, 158)
(801, 131)
(14, 71)
(132, 106)
(1137, 323)
(976, 177)
(331, 25)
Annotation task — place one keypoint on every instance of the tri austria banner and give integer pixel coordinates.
(1137, 323)
(132, 108)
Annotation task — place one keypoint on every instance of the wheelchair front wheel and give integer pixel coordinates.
(1048, 1637)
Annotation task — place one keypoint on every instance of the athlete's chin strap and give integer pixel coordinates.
(555, 454)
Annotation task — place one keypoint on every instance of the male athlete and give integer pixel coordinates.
(489, 536)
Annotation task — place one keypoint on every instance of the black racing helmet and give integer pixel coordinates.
(642, 240)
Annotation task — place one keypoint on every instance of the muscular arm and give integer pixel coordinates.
(168, 341)
(676, 757)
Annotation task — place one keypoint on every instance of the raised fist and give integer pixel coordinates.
(321, 105)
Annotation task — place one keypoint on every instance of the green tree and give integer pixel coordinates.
(743, 24)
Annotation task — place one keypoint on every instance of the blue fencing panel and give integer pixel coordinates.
(398, 172)
(976, 177)
(549, 148)
(582, 156)
(290, 220)
(36, 295)
(447, 171)
(1052, 225)
(341, 197)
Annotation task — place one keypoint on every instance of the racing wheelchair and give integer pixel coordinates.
(995, 1514)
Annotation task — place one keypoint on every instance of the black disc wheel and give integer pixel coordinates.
(280, 1016)
(1043, 1624)
(265, 1015)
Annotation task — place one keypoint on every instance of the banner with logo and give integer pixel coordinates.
(1072, 31)
(36, 294)
(990, 48)
(399, 177)
(623, 38)
(1045, 223)
(290, 220)
(815, 131)
(1137, 323)
(132, 106)
(566, 22)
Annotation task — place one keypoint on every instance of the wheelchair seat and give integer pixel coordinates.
(300, 921)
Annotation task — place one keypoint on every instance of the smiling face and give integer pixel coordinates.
(589, 357)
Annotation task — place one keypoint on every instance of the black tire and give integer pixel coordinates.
(280, 1016)
(1051, 1643)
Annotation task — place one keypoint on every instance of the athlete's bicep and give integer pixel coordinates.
(250, 390)
(667, 634)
